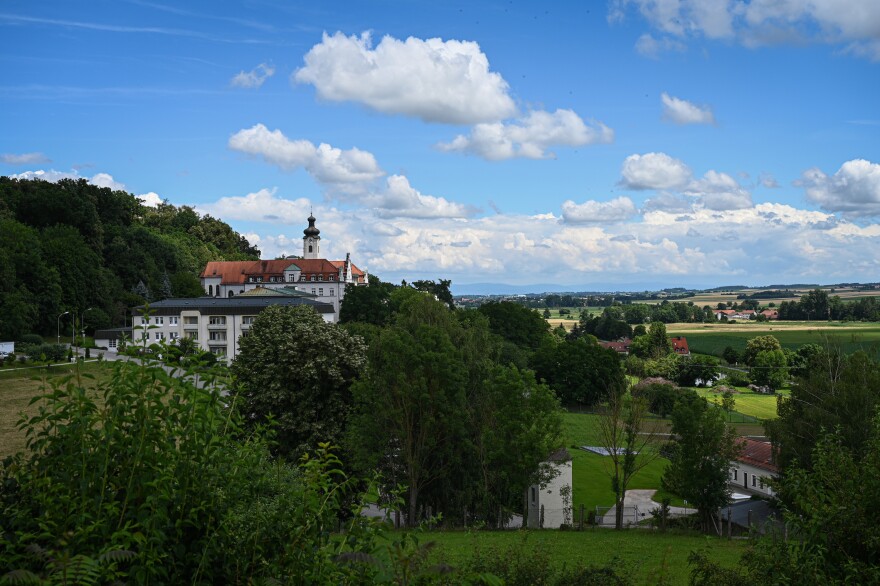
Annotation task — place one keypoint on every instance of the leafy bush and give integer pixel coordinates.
(735, 378)
(50, 352)
(524, 565)
(660, 394)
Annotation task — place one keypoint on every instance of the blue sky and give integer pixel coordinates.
(589, 145)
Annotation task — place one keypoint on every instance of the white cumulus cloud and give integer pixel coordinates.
(324, 162)
(99, 179)
(151, 199)
(719, 191)
(853, 25)
(531, 136)
(24, 159)
(853, 190)
(253, 78)
(654, 171)
(432, 79)
(597, 212)
(400, 200)
(683, 112)
(260, 206)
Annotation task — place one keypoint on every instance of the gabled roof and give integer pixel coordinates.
(757, 454)
(237, 271)
(680, 345)
(354, 270)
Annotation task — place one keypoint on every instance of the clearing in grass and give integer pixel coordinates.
(652, 557)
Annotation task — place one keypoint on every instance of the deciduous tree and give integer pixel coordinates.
(296, 369)
(701, 454)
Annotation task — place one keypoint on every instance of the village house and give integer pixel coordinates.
(621, 346)
(752, 467)
(680, 345)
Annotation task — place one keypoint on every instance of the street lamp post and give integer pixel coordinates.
(82, 323)
(58, 328)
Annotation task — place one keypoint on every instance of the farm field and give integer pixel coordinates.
(648, 555)
(713, 338)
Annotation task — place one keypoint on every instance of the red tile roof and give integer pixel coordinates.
(680, 345)
(757, 454)
(234, 272)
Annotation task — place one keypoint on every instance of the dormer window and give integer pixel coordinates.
(331, 278)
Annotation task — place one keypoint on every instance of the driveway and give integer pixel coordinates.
(641, 500)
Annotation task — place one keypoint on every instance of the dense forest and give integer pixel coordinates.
(73, 246)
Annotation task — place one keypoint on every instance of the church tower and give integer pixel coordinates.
(311, 240)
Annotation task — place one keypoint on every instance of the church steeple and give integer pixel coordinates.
(311, 240)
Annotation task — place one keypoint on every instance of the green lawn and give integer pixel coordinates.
(648, 555)
(590, 479)
(747, 402)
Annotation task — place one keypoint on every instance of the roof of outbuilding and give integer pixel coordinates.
(758, 454)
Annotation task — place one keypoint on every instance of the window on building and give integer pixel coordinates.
(736, 474)
(248, 319)
(219, 350)
(534, 495)
(172, 321)
(217, 320)
(331, 293)
(174, 335)
(761, 483)
(217, 336)
(313, 278)
(321, 291)
(210, 290)
(111, 343)
(192, 335)
(313, 290)
(320, 277)
(754, 481)
(230, 294)
(190, 321)
(310, 247)
(160, 335)
(331, 278)
(159, 320)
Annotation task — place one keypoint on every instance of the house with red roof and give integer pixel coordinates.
(325, 280)
(621, 346)
(680, 345)
(752, 468)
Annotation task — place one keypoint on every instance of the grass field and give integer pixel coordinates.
(590, 480)
(18, 387)
(747, 402)
(713, 338)
(648, 555)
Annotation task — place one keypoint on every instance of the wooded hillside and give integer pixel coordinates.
(71, 245)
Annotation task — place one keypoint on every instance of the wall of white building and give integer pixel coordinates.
(745, 478)
(216, 332)
(550, 497)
